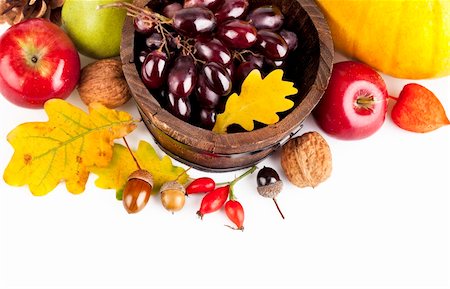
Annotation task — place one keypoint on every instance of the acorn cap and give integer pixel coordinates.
(142, 175)
(270, 190)
(172, 185)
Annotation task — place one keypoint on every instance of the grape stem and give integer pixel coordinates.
(239, 54)
(153, 18)
(134, 11)
(163, 32)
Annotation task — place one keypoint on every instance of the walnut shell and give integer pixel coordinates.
(103, 81)
(306, 160)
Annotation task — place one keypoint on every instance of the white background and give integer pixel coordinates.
(380, 221)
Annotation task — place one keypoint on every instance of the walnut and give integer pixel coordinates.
(103, 81)
(306, 160)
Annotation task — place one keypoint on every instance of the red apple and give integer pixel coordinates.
(355, 103)
(38, 61)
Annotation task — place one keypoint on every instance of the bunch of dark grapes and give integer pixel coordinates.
(192, 55)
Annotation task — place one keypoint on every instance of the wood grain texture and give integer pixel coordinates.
(206, 150)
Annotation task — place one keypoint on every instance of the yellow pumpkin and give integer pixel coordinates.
(402, 38)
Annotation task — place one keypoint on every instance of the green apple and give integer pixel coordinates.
(96, 33)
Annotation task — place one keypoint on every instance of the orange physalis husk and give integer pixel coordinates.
(418, 110)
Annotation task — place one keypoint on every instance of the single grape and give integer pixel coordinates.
(231, 69)
(154, 41)
(142, 54)
(207, 118)
(194, 21)
(173, 40)
(153, 69)
(217, 78)
(237, 34)
(205, 96)
(274, 64)
(143, 27)
(271, 45)
(212, 50)
(160, 96)
(290, 38)
(256, 58)
(204, 38)
(266, 17)
(210, 4)
(222, 104)
(170, 10)
(179, 106)
(231, 9)
(158, 5)
(243, 70)
(182, 76)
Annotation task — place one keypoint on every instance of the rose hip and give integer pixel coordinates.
(235, 212)
(213, 201)
(200, 185)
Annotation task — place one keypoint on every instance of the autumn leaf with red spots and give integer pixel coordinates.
(64, 147)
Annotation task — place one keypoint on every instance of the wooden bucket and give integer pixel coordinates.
(309, 68)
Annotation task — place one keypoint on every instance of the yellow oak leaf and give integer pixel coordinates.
(260, 100)
(116, 174)
(64, 147)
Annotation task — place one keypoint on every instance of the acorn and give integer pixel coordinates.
(269, 185)
(172, 196)
(137, 191)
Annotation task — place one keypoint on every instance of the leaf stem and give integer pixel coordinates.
(131, 152)
(183, 173)
(393, 97)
